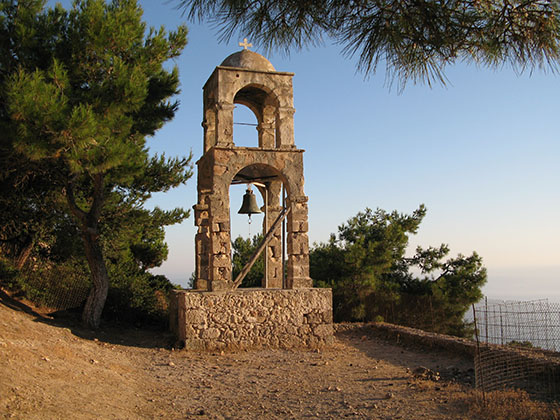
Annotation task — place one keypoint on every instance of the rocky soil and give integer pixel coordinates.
(52, 369)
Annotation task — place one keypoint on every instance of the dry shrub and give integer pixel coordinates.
(511, 405)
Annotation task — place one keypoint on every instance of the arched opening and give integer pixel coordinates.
(264, 105)
(267, 185)
(245, 124)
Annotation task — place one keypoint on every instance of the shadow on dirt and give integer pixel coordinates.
(16, 305)
(123, 334)
(437, 363)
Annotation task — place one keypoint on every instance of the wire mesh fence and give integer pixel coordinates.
(57, 287)
(517, 347)
(529, 323)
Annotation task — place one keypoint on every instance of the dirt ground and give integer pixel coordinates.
(53, 369)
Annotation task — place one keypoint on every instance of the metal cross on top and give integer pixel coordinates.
(245, 44)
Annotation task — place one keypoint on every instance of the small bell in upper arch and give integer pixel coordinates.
(249, 205)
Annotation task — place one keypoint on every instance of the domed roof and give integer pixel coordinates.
(246, 59)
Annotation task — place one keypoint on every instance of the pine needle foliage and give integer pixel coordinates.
(415, 39)
(82, 91)
(373, 279)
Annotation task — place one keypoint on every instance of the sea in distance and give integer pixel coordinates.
(530, 322)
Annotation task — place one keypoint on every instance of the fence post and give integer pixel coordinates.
(479, 377)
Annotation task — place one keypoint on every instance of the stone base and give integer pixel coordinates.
(252, 318)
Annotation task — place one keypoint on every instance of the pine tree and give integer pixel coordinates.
(372, 278)
(28, 188)
(86, 111)
(415, 39)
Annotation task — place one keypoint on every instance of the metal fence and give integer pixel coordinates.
(517, 347)
(530, 323)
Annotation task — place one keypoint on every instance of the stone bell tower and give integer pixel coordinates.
(286, 312)
(273, 165)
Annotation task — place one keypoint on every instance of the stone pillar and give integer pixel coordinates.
(209, 125)
(220, 238)
(266, 128)
(298, 245)
(274, 247)
(224, 125)
(202, 246)
(285, 128)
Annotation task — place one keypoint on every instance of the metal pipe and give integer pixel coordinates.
(283, 239)
(266, 231)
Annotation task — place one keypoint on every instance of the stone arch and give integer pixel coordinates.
(264, 103)
(268, 181)
(257, 172)
(268, 94)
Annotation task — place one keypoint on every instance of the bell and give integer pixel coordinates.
(249, 205)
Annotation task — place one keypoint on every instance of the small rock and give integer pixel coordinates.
(93, 361)
(46, 359)
(389, 395)
(171, 364)
(338, 389)
(425, 373)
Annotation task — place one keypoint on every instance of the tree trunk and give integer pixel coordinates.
(24, 254)
(91, 316)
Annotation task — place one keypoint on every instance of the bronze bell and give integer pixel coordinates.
(249, 205)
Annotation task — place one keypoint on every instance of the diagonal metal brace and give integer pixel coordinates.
(261, 247)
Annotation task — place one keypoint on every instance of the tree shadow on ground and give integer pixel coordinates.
(450, 367)
(123, 334)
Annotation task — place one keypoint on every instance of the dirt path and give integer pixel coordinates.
(48, 371)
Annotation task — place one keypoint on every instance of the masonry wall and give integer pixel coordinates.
(253, 318)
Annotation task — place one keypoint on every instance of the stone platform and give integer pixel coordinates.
(252, 318)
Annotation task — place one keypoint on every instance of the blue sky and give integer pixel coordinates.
(481, 153)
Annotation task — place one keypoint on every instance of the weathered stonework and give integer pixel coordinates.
(249, 79)
(253, 318)
(286, 312)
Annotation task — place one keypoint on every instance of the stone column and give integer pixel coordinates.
(209, 125)
(298, 245)
(202, 246)
(266, 128)
(274, 247)
(224, 124)
(220, 237)
(285, 128)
